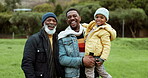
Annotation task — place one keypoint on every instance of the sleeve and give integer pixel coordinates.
(29, 58)
(84, 25)
(112, 32)
(66, 60)
(106, 43)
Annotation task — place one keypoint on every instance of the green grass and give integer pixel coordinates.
(11, 52)
(128, 58)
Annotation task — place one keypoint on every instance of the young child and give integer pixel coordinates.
(98, 37)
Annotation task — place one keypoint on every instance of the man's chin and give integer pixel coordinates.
(73, 26)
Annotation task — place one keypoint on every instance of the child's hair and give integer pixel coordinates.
(102, 11)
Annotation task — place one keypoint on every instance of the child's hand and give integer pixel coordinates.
(99, 63)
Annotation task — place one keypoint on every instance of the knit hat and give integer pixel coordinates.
(102, 11)
(49, 14)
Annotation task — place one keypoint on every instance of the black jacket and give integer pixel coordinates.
(39, 59)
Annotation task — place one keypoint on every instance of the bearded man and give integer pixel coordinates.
(40, 59)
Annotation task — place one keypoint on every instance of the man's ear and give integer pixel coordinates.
(66, 21)
(80, 18)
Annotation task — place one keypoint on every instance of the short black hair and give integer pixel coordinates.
(72, 9)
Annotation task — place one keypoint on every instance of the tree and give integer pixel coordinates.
(4, 22)
(43, 8)
(114, 4)
(2, 8)
(141, 4)
(125, 4)
(58, 10)
(11, 4)
(27, 22)
(53, 1)
(134, 20)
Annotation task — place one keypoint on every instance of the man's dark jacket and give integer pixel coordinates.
(39, 59)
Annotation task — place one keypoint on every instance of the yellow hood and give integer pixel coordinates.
(107, 27)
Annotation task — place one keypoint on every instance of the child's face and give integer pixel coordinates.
(100, 19)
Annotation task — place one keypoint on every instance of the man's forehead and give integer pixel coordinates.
(51, 18)
(72, 12)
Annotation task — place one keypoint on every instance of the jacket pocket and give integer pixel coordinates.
(69, 47)
(68, 42)
(39, 74)
(40, 55)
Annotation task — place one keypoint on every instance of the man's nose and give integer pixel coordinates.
(72, 18)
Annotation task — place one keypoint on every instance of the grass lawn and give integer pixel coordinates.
(11, 52)
(128, 58)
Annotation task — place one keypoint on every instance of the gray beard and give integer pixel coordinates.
(50, 32)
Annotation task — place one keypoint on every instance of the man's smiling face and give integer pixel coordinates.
(73, 19)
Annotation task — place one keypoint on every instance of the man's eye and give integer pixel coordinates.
(54, 20)
(69, 16)
(74, 15)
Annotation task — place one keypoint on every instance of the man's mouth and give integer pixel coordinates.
(51, 27)
(73, 23)
(98, 22)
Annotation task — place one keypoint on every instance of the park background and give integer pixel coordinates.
(128, 58)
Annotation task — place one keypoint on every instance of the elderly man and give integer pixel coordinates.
(40, 59)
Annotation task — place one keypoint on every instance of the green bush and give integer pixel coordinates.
(5, 25)
(2, 7)
(27, 22)
(43, 8)
(134, 20)
(58, 10)
(113, 4)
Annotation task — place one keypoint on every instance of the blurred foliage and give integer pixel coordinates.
(124, 4)
(134, 19)
(43, 8)
(5, 25)
(27, 22)
(52, 1)
(58, 10)
(2, 7)
(133, 12)
(115, 4)
(141, 4)
(11, 4)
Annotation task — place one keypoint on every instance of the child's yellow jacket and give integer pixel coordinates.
(99, 41)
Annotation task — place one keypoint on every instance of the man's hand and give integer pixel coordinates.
(88, 61)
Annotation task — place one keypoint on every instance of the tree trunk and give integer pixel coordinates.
(133, 32)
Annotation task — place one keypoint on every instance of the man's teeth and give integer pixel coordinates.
(98, 22)
(73, 22)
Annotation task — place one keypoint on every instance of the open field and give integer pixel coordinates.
(128, 58)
